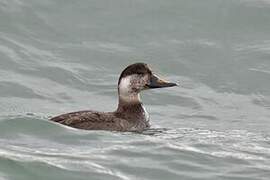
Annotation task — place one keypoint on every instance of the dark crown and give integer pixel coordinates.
(137, 68)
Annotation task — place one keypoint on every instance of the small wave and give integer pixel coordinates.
(38, 142)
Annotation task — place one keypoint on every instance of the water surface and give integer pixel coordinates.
(62, 56)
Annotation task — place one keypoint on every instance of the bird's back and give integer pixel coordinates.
(92, 120)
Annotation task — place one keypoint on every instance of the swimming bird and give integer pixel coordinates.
(130, 114)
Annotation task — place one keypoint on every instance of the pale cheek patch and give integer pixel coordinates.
(130, 86)
(124, 86)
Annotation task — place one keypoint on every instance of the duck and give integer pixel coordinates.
(130, 115)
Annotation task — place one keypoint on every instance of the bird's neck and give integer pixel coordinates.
(129, 104)
(132, 110)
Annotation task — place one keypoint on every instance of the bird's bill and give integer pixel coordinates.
(157, 82)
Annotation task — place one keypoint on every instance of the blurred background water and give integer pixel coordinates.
(61, 56)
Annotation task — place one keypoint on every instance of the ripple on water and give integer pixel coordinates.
(46, 147)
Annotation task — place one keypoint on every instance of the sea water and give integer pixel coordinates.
(59, 56)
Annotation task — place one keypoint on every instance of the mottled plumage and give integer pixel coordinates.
(126, 118)
(130, 114)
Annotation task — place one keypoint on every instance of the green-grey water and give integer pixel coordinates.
(59, 56)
